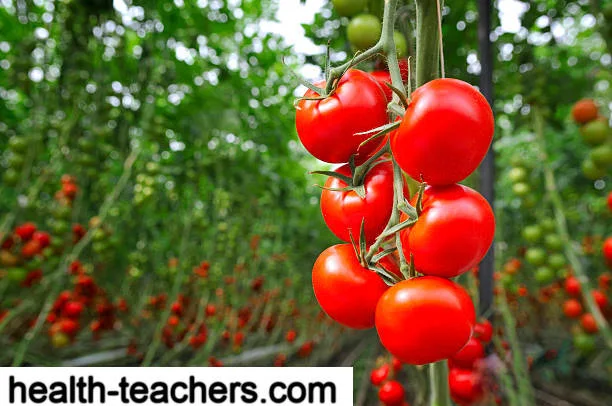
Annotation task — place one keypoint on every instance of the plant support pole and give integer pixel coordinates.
(487, 170)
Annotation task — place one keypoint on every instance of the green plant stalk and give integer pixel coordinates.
(440, 393)
(388, 24)
(427, 69)
(570, 249)
(519, 368)
(427, 39)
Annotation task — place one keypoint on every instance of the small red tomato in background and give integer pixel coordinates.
(453, 232)
(379, 375)
(572, 286)
(469, 354)
(484, 331)
(25, 231)
(588, 323)
(425, 319)
(344, 211)
(345, 290)
(584, 110)
(607, 251)
(572, 308)
(290, 336)
(445, 133)
(392, 393)
(44, 239)
(327, 127)
(610, 201)
(601, 299)
(30, 249)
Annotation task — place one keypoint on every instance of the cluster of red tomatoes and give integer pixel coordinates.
(595, 131)
(443, 136)
(390, 391)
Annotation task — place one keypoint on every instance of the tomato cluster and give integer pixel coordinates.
(446, 229)
(390, 391)
(595, 132)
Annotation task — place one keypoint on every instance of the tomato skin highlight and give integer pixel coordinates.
(445, 133)
(327, 127)
(345, 290)
(425, 319)
(453, 232)
(343, 212)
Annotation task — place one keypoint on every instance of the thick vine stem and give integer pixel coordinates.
(438, 378)
(562, 229)
(384, 44)
(427, 38)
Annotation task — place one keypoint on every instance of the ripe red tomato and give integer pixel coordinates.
(379, 375)
(453, 233)
(601, 299)
(30, 249)
(469, 354)
(25, 231)
(343, 212)
(291, 336)
(425, 319)
(584, 110)
(445, 133)
(610, 201)
(572, 308)
(607, 250)
(383, 77)
(391, 393)
(588, 323)
(44, 239)
(465, 386)
(327, 127)
(345, 290)
(572, 286)
(484, 331)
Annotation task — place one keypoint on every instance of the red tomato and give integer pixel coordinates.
(397, 364)
(290, 336)
(484, 331)
(346, 291)
(343, 212)
(391, 393)
(327, 127)
(425, 319)
(383, 77)
(572, 286)
(25, 231)
(607, 250)
(453, 233)
(445, 133)
(584, 110)
(588, 323)
(379, 375)
(44, 239)
(30, 249)
(465, 386)
(610, 201)
(604, 280)
(469, 354)
(600, 298)
(572, 308)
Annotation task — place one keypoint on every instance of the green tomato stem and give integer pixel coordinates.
(428, 42)
(438, 378)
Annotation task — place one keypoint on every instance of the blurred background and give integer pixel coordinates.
(156, 206)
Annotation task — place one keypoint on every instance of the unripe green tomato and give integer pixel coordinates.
(59, 340)
(521, 189)
(592, 171)
(535, 256)
(16, 275)
(584, 343)
(61, 211)
(548, 225)
(532, 233)
(507, 281)
(553, 242)
(400, 44)
(364, 31)
(59, 227)
(18, 144)
(544, 275)
(99, 246)
(152, 167)
(517, 174)
(99, 235)
(556, 261)
(595, 132)
(562, 273)
(602, 156)
(10, 177)
(16, 161)
(348, 8)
